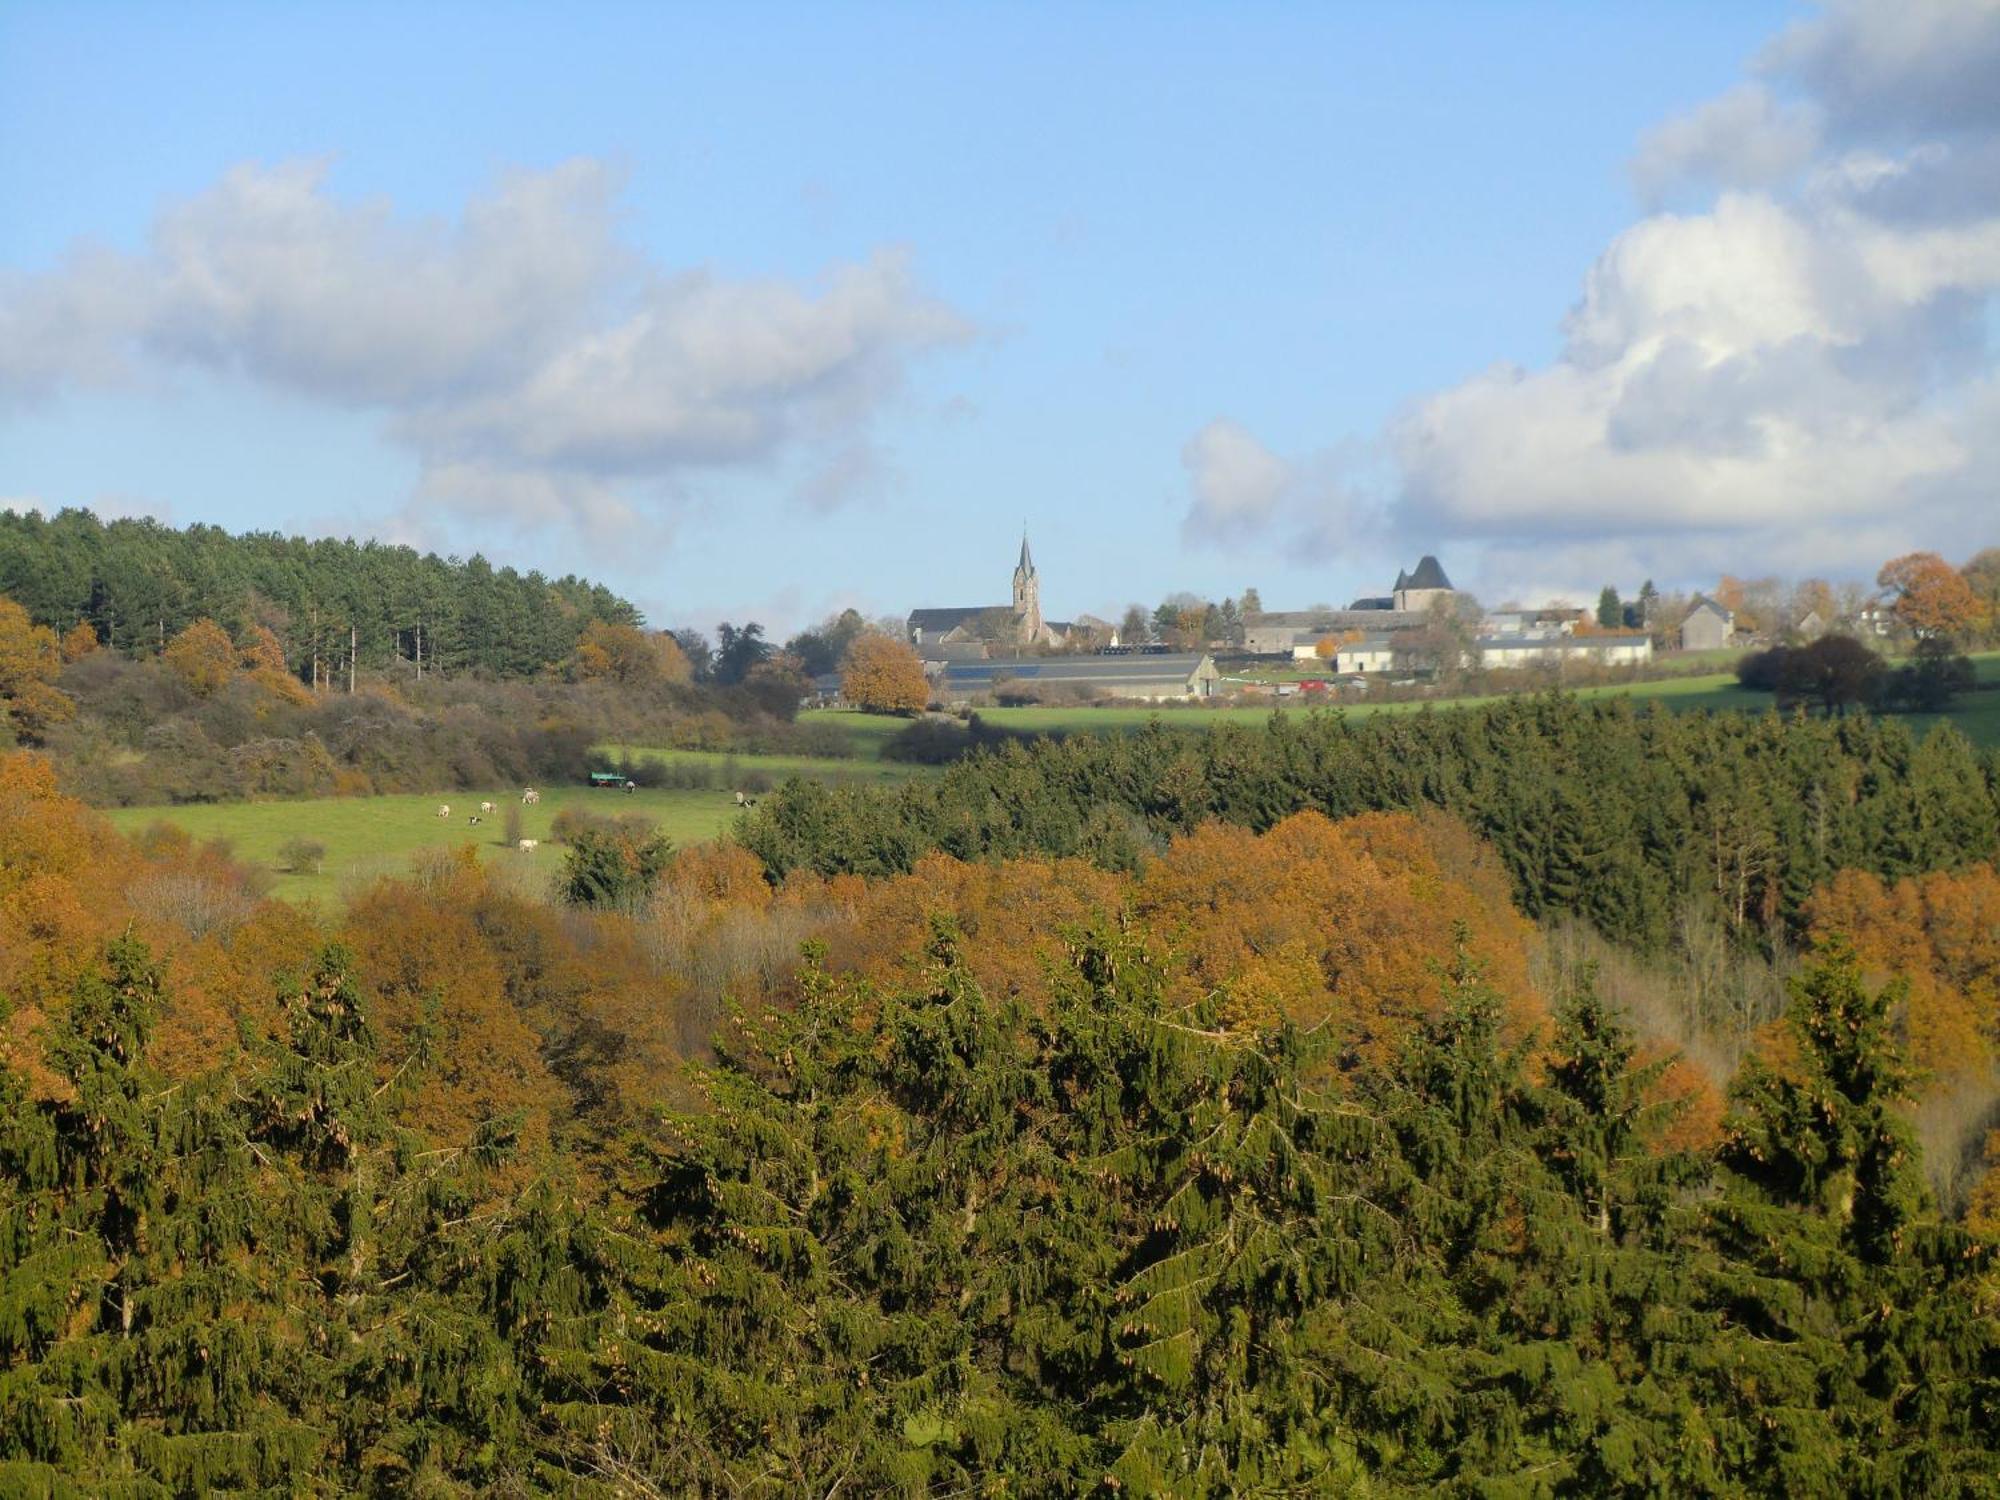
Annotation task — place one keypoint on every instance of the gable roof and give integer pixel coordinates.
(1703, 602)
(951, 619)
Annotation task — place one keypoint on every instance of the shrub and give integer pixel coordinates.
(612, 868)
(302, 856)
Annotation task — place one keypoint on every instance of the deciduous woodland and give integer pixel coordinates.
(1543, 1099)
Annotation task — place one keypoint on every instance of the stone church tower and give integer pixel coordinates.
(1027, 596)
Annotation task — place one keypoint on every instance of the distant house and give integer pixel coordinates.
(1707, 626)
(1375, 653)
(1154, 676)
(1809, 626)
(1609, 650)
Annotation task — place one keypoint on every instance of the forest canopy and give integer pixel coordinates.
(1274, 1160)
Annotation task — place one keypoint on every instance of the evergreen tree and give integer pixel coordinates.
(1844, 1310)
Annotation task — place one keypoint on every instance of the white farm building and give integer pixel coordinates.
(1153, 676)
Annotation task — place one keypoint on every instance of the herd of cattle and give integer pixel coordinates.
(529, 798)
(533, 799)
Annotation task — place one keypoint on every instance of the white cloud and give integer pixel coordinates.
(1242, 493)
(1237, 481)
(540, 369)
(1798, 376)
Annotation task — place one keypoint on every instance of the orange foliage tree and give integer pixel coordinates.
(1941, 933)
(203, 657)
(79, 641)
(439, 1003)
(626, 654)
(30, 661)
(1931, 597)
(883, 675)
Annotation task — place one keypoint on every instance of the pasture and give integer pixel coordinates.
(370, 836)
(726, 768)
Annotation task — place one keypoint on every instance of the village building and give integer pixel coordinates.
(1370, 655)
(1707, 626)
(977, 629)
(1612, 649)
(1297, 633)
(1538, 623)
(1422, 587)
(1151, 676)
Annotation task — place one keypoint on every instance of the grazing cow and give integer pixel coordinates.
(529, 846)
(531, 797)
(444, 809)
(741, 801)
(486, 808)
(475, 820)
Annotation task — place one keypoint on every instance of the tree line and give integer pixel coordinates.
(1615, 814)
(137, 584)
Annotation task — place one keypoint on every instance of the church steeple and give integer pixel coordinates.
(1027, 594)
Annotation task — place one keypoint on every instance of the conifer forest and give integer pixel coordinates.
(1536, 1099)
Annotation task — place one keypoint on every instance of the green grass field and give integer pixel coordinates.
(370, 836)
(864, 767)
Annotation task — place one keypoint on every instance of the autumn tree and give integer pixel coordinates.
(1752, 600)
(626, 654)
(882, 675)
(79, 641)
(1982, 576)
(30, 661)
(1930, 597)
(203, 657)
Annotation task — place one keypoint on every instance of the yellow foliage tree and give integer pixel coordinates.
(882, 675)
(30, 662)
(79, 641)
(203, 657)
(626, 654)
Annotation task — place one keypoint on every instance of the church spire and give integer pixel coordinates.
(1027, 595)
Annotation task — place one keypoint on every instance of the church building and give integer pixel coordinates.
(967, 630)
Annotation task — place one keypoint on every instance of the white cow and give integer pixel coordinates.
(529, 846)
(444, 809)
(531, 797)
(486, 808)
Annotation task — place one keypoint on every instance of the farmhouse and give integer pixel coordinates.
(1154, 676)
(1707, 626)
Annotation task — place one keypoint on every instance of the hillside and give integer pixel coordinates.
(137, 584)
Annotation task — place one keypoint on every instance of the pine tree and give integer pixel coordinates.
(1843, 1306)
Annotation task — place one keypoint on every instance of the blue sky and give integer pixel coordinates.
(817, 305)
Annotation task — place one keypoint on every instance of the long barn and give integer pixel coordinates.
(1156, 677)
